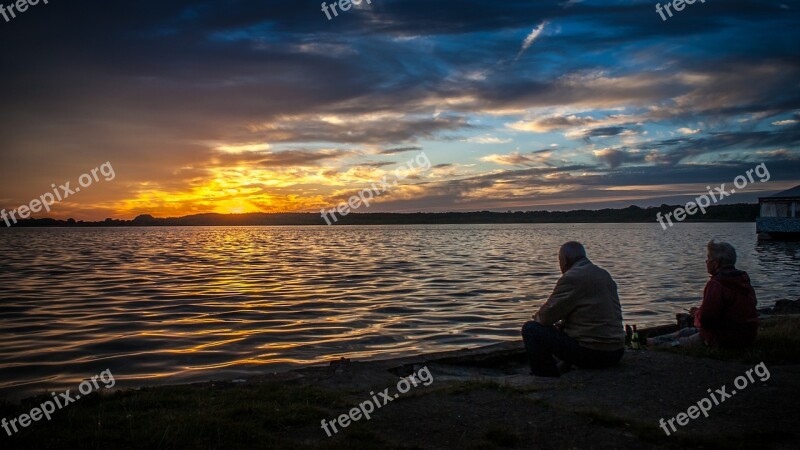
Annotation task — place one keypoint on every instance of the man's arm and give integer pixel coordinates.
(559, 305)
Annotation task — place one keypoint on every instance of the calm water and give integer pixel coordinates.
(168, 305)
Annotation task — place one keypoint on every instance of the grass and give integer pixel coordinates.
(502, 437)
(646, 431)
(653, 434)
(465, 387)
(182, 417)
(778, 342)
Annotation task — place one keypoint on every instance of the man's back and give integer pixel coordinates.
(586, 299)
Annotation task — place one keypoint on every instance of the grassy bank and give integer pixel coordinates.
(778, 342)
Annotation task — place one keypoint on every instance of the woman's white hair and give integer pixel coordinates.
(723, 253)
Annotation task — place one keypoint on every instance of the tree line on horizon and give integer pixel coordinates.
(741, 212)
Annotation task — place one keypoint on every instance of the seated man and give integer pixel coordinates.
(585, 299)
(727, 317)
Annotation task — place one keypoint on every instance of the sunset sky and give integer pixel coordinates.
(256, 105)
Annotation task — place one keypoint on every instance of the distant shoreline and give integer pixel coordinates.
(742, 212)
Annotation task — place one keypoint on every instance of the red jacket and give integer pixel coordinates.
(728, 316)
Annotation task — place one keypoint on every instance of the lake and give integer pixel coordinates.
(171, 305)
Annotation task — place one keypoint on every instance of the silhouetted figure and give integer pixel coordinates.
(727, 317)
(581, 322)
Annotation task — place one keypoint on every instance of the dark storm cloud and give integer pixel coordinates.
(285, 158)
(673, 151)
(221, 63)
(377, 164)
(521, 188)
(158, 84)
(372, 132)
(394, 151)
(616, 157)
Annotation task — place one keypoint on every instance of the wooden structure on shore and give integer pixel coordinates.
(780, 216)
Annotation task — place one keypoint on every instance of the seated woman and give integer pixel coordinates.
(727, 317)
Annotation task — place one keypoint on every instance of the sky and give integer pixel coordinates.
(269, 106)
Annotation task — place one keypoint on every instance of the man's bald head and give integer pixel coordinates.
(569, 254)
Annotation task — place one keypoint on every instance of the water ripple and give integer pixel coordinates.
(159, 305)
